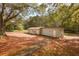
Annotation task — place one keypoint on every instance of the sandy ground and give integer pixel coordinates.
(71, 37)
(20, 34)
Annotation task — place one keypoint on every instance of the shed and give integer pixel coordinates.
(53, 32)
(35, 30)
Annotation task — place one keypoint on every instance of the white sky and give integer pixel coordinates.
(32, 12)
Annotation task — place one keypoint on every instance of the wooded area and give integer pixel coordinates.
(17, 18)
(13, 16)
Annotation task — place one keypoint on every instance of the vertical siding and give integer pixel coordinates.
(34, 31)
(52, 32)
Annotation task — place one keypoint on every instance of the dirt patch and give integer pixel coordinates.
(59, 48)
(16, 43)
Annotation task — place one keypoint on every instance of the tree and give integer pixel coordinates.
(67, 16)
(16, 24)
(8, 12)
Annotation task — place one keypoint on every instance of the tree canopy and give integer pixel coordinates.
(21, 15)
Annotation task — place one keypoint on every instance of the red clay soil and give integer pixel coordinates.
(14, 42)
(59, 48)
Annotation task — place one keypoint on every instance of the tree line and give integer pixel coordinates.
(48, 15)
(66, 16)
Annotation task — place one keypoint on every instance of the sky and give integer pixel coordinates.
(32, 12)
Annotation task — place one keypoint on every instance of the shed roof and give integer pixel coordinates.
(35, 28)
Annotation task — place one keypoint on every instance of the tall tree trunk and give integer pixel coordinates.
(2, 20)
(1, 29)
